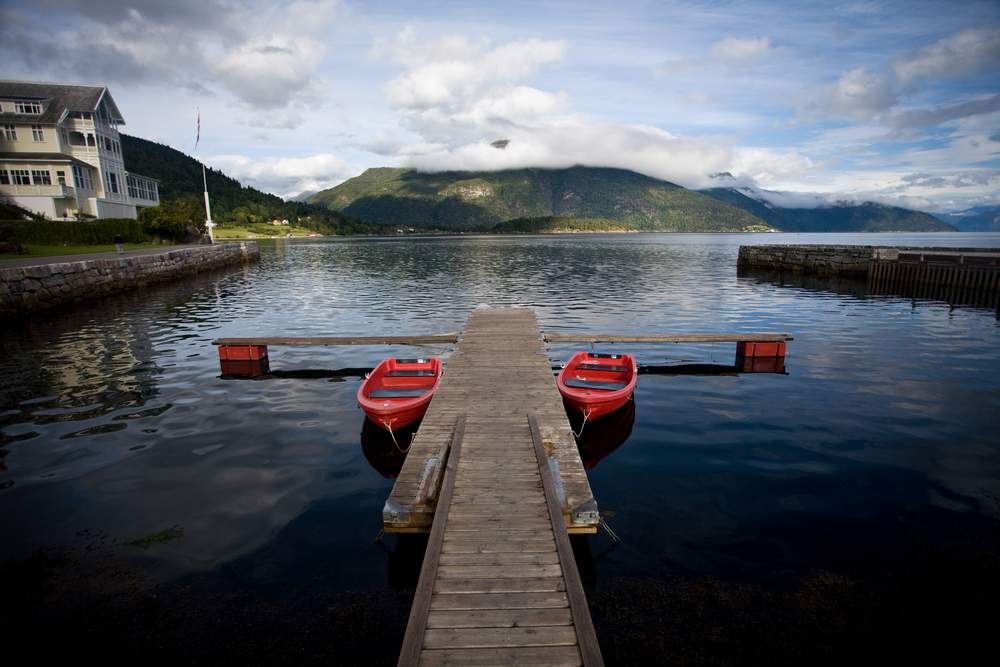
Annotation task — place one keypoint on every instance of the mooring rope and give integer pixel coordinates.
(586, 416)
(388, 427)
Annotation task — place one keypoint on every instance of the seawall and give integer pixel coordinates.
(27, 289)
(824, 260)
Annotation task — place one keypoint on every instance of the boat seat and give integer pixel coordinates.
(410, 361)
(594, 384)
(410, 374)
(397, 393)
(603, 355)
(603, 367)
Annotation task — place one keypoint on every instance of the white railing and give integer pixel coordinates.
(53, 190)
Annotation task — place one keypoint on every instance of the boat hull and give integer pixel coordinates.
(397, 393)
(597, 385)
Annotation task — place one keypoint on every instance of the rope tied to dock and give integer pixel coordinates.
(586, 416)
(388, 427)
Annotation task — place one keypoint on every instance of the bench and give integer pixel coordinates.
(397, 393)
(594, 384)
(603, 367)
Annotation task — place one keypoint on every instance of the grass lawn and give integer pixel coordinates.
(55, 250)
(260, 230)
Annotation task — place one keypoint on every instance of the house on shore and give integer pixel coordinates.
(61, 156)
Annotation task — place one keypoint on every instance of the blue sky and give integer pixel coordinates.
(896, 102)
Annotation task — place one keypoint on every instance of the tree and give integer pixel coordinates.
(181, 218)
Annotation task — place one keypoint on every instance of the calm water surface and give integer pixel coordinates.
(872, 465)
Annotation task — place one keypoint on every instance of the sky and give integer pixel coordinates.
(810, 103)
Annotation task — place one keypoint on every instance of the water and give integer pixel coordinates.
(840, 493)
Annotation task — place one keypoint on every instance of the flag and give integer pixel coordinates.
(197, 137)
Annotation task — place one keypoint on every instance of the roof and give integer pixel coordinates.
(42, 157)
(56, 98)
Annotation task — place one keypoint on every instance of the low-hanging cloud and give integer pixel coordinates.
(285, 177)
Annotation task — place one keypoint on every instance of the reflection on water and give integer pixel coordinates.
(386, 452)
(876, 455)
(599, 438)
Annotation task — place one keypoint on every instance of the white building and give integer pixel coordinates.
(61, 156)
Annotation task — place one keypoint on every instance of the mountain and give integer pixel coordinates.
(463, 200)
(865, 217)
(232, 203)
(976, 219)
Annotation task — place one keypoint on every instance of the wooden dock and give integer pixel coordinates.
(499, 584)
(495, 476)
(498, 372)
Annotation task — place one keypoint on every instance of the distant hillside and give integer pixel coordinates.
(482, 200)
(232, 203)
(977, 219)
(866, 217)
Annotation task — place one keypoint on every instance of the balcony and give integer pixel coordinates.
(54, 190)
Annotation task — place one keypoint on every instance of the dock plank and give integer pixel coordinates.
(499, 583)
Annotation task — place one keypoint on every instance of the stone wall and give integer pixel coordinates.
(824, 260)
(31, 288)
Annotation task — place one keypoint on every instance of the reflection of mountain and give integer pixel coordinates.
(603, 436)
(384, 455)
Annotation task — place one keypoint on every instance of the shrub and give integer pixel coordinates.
(69, 232)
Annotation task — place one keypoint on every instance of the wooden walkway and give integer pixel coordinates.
(499, 584)
(497, 373)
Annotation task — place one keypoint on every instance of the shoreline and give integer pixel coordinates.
(51, 282)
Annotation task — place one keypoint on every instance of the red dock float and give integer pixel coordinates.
(754, 349)
(248, 361)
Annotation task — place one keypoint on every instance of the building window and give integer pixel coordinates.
(10, 133)
(37, 134)
(113, 180)
(107, 144)
(61, 177)
(81, 177)
(41, 176)
(4, 177)
(91, 141)
(21, 176)
(28, 107)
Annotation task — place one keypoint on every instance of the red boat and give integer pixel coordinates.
(398, 391)
(596, 384)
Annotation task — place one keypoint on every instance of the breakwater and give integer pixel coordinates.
(824, 260)
(26, 289)
(972, 268)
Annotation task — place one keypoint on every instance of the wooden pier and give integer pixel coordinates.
(499, 584)
(498, 372)
(495, 476)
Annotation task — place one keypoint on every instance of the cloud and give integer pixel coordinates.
(731, 53)
(740, 50)
(459, 95)
(943, 114)
(860, 93)
(285, 177)
(864, 94)
(266, 56)
(968, 52)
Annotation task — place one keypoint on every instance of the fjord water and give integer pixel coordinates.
(781, 515)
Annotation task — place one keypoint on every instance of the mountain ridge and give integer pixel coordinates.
(468, 200)
(583, 198)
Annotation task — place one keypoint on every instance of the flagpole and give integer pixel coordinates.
(204, 179)
(208, 209)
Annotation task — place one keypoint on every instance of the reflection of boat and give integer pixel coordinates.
(597, 384)
(601, 437)
(397, 392)
(382, 453)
